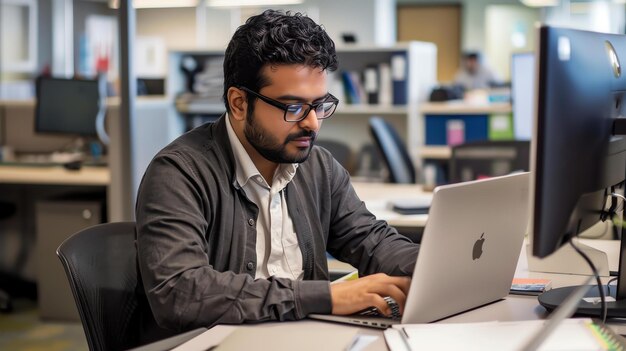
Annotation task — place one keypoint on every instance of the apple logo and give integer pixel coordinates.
(478, 247)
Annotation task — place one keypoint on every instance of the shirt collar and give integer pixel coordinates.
(245, 168)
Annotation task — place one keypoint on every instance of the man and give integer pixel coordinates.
(234, 218)
(473, 74)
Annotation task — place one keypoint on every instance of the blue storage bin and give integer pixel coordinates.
(476, 128)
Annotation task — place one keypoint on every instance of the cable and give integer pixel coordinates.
(618, 195)
(608, 285)
(598, 281)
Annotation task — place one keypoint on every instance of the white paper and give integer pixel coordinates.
(571, 335)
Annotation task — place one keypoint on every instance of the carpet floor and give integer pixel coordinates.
(23, 330)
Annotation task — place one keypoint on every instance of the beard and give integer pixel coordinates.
(271, 148)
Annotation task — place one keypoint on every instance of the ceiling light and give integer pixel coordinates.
(540, 3)
(148, 4)
(244, 3)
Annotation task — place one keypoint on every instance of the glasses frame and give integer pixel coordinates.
(329, 98)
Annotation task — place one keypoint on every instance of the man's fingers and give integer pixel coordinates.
(393, 292)
(380, 304)
(403, 283)
(397, 295)
(370, 291)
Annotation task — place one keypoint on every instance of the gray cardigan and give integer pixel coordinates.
(196, 236)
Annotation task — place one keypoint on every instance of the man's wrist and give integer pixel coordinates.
(312, 296)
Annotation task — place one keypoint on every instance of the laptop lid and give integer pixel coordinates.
(470, 247)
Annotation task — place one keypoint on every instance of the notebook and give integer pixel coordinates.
(469, 250)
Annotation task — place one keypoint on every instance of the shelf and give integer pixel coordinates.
(352, 128)
(371, 109)
(459, 107)
(200, 107)
(436, 152)
(208, 107)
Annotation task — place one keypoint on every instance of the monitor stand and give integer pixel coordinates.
(551, 299)
(567, 261)
(616, 299)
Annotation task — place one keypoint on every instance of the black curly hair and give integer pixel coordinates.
(274, 38)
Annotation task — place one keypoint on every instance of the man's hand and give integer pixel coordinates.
(355, 295)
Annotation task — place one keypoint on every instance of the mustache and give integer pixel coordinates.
(302, 134)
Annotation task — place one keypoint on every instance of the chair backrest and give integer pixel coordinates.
(488, 159)
(340, 151)
(100, 263)
(369, 163)
(393, 151)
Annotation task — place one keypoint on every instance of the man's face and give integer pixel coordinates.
(265, 129)
(471, 65)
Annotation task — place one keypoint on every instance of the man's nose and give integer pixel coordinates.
(310, 121)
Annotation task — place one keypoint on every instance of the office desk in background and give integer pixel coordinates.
(54, 175)
(52, 203)
(377, 197)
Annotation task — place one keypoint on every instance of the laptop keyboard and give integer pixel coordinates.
(372, 312)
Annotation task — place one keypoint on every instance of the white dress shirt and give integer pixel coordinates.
(277, 249)
(481, 79)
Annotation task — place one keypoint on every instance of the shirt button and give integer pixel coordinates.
(251, 222)
(250, 266)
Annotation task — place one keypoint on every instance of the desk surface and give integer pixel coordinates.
(512, 308)
(54, 175)
(377, 196)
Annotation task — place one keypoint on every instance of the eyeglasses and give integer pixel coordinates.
(299, 111)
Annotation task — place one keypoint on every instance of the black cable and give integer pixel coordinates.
(598, 281)
(608, 285)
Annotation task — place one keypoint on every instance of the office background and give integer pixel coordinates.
(78, 38)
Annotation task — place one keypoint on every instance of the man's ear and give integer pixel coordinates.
(238, 103)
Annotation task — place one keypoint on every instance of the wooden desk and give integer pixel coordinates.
(54, 175)
(377, 197)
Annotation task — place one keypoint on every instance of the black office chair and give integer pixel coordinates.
(481, 159)
(393, 151)
(340, 151)
(368, 163)
(100, 263)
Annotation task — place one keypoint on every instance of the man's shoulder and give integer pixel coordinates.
(197, 151)
(199, 140)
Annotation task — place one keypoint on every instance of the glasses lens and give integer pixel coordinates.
(325, 110)
(295, 112)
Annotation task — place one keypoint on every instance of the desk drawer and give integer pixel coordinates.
(56, 221)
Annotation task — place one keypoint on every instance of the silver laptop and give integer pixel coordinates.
(469, 250)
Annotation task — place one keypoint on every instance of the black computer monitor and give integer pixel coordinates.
(67, 106)
(578, 155)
